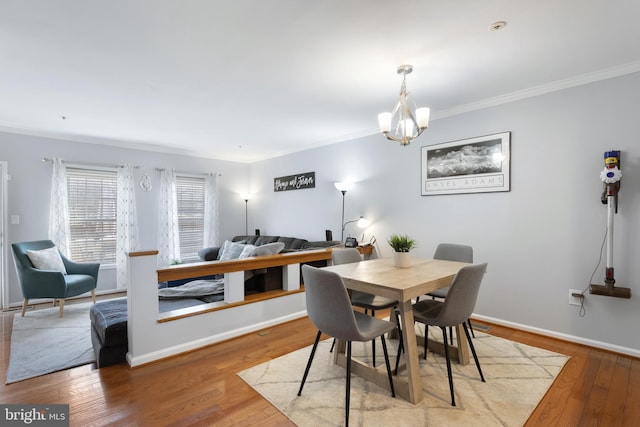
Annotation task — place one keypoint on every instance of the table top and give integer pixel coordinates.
(381, 277)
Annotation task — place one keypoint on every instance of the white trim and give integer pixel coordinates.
(4, 241)
(213, 339)
(566, 337)
(608, 73)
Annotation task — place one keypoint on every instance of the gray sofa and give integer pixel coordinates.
(269, 278)
(291, 244)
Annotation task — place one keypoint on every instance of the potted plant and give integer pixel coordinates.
(402, 245)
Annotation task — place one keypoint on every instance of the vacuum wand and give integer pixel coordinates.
(611, 176)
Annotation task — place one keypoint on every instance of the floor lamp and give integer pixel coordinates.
(343, 187)
(246, 197)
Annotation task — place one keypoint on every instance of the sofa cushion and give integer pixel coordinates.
(245, 239)
(292, 243)
(321, 244)
(263, 240)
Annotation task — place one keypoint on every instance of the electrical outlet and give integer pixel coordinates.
(575, 300)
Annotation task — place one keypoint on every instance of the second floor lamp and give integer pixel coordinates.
(246, 197)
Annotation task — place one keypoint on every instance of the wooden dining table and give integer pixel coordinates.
(381, 277)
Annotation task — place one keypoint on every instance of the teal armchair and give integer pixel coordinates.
(80, 277)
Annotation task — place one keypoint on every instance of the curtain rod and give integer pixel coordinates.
(191, 173)
(102, 165)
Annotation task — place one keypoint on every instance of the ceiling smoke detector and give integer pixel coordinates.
(497, 26)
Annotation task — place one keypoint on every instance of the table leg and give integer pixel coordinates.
(411, 352)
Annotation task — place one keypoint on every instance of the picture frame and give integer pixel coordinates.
(474, 165)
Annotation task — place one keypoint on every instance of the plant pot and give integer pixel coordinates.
(402, 259)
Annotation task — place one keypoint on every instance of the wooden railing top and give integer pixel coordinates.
(207, 268)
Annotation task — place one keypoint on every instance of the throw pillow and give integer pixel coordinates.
(209, 254)
(247, 251)
(47, 259)
(268, 249)
(231, 250)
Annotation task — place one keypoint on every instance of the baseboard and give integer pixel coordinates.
(213, 339)
(565, 337)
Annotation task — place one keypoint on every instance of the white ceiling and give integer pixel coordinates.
(246, 80)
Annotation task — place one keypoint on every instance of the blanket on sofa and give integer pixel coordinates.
(195, 288)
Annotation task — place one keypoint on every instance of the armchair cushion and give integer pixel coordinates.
(47, 259)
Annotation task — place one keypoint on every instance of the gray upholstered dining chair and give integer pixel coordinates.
(454, 311)
(361, 299)
(452, 252)
(330, 310)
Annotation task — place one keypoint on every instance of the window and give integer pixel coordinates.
(190, 195)
(92, 214)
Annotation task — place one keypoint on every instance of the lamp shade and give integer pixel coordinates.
(362, 222)
(384, 122)
(422, 117)
(343, 186)
(245, 196)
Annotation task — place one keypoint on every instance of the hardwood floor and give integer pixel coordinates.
(596, 388)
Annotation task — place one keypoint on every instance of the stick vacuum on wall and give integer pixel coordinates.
(610, 176)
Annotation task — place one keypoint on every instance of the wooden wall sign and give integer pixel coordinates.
(295, 182)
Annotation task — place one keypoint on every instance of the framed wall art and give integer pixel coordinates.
(474, 165)
(295, 182)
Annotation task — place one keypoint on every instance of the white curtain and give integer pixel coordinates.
(168, 231)
(59, 208)
(127, 224)
(211, 223)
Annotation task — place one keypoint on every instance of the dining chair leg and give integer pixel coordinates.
(386, 361)
(473, 351)
(306, 370)
(426, 339)
(348, 386)
(400, 342)
(446, 356)
(471, 328)
(333, 344)
(373, 343)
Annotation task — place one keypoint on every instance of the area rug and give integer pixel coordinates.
(517, 377)
(42, 342)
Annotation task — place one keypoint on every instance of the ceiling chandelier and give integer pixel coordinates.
(406, 124)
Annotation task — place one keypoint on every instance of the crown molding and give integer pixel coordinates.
(582, 79)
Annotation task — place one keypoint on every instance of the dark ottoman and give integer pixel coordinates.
(109, 331)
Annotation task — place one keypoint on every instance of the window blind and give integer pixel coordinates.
(92, 214)
(190, 192)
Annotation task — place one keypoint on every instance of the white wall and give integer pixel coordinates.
(540, 239)
(30, 186)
